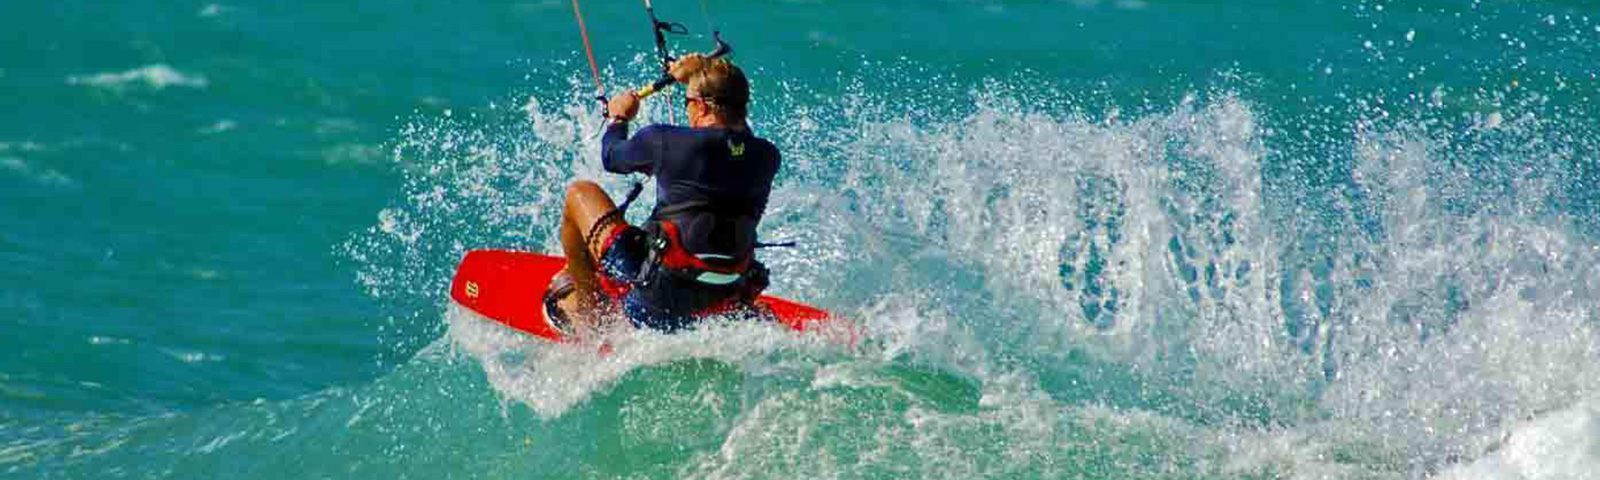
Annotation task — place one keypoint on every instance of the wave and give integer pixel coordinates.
(45, 176)
(154, 77)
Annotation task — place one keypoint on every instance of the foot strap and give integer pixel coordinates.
(560, 287)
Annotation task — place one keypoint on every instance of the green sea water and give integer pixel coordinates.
(1085, 239)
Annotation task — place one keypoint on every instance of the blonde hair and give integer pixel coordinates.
(723, 87)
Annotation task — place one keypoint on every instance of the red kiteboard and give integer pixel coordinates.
(508, 287)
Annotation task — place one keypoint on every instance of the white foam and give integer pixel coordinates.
(212, 10)
(221, 441)
(204, 273)
(21, 147)
(220, 127)
(352, 154)
(1563, 445)
(1132, 4)
(156, 77)
(192, 356)
(844, 430)
(552, 377)
(397, 223)
(104, 340)
(48, 176)
(336, 127)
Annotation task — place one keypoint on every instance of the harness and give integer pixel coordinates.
(681, 282)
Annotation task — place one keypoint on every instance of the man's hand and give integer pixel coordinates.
(623, 107)
(687, 66)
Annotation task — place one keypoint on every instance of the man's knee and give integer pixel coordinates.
(582, 191)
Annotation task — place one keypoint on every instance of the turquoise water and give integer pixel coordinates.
(1087, 239)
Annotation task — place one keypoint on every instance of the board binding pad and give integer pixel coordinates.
(508, 286)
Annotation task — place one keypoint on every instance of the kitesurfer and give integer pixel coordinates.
(695, 255)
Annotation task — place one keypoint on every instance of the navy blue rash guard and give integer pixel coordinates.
(733, 170)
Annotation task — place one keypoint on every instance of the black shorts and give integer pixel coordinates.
(677, 304)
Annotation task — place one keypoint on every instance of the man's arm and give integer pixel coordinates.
(618, 153)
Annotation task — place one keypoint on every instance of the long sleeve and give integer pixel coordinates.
(620, 154)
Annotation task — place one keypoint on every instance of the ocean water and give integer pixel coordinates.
(1086, 239)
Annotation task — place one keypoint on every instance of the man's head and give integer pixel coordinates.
(720, 86)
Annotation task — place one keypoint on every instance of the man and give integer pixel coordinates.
(696, 254)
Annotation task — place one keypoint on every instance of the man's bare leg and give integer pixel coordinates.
(586, 203)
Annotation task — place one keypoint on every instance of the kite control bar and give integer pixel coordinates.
(666, 80)
(660, 30)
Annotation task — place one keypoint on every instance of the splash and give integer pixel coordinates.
(1205, 286)
(551, 378)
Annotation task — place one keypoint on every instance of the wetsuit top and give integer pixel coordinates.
(733, 171)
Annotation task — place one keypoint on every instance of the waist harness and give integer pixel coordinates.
(723, 277)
